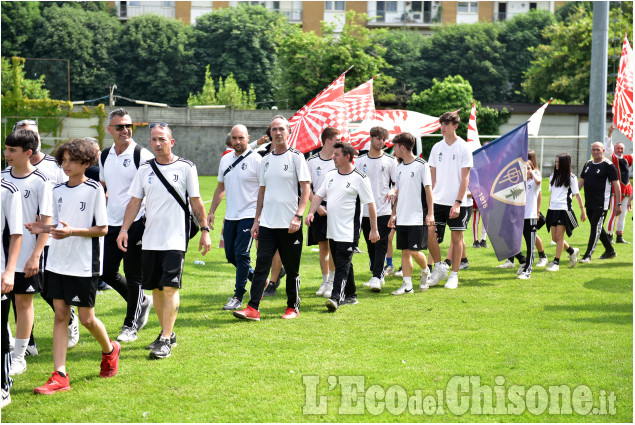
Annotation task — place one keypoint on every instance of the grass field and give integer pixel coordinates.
(386, 359)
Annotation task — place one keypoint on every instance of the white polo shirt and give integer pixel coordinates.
(559, 198)
(448, 161)
(318, 168)
(10, 215)
(531, 197)
(117, 172)
(411, 182)
(382, 172)
(241, 184)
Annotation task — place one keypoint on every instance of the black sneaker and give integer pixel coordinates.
(146, 306)
(271, 289)
(331, 305)
(476, 244)
(162, 349)
(484, 244)
(350, 300)
(620, 239)
(608, 255)
(154, 343)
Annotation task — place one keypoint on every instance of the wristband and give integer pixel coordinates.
(71, 234)
(123, 231)
(619, 203)
(204, 228)
(299, 216)
(460, 202)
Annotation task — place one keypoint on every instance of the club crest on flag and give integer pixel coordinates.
(509, 185)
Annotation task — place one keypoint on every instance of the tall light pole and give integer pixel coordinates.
(599, 61)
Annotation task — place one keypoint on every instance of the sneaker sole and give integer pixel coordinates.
(375, 289)
(48, 392)
(157, 357)
(242, 317)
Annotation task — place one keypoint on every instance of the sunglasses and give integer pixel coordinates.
(120, 127)
(160, 124)
(24, 123)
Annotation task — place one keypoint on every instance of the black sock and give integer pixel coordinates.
(430, 268)
(556, 261)
(62, 374)
(570, 250)
(541, 254)
(448, 262)
(464, 260)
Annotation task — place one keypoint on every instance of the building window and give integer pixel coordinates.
(166, 4)
(132, 3)
(335, 6)
(502, 12)
(391, 6)
(467, 7)
(533, 6)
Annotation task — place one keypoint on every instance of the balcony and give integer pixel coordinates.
(386, 19)
(130, 9)
(293, 15)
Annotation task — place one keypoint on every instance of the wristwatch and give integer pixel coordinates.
(204, 228)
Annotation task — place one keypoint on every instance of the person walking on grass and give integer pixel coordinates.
(79, 224)
(560, 216)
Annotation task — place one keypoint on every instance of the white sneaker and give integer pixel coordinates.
(375, 284)
(553, 267)
(521, 269)
(573, 258)
(389, 271)
(18, 366)
(524, 276)
(506, 265)
(328, 290)
(403, 290)
(452, 282)
(367, 284)
(438, 274)
(320, 291)
(584, 260)
(6, 398)
(542, 262)
(383, 281)
(464, 265)
(399, 273)
(31, 350)
(73, 332)
(128, 334)
(425, 279)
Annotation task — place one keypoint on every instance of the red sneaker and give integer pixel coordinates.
(55, 383)
(248, 313)
(110, 362)
(290, 314)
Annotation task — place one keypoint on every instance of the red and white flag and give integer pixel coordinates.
(536, 119)
(473, 141)
(623, 100)
(324, 110)
(396, 122)
(360, 103)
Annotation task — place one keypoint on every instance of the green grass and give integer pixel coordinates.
(573, 328)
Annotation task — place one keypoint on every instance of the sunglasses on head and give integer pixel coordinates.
(160, 124)
(24, 123)
(120, 127)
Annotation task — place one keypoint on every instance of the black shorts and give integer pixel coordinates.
(27, 285)
(562, 218)
(413, 238)
(317, 230)
(442, 217)
(162, 268)
(74, 290)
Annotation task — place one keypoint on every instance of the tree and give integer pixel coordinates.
(228, 93)
(241, 40)
(154, 60)
(14, 81)
(18, 26)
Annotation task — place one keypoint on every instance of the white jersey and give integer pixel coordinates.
(165, 219)
(531, 197)
(82, 206)
(48, 165)
(345, 193)
(117, 172)
(36, 194)
(411, 201)
(281, 175)
(448, 161)
(10, 215)
(382, 172)
(318, 168)
(560, 198)
(241, 184)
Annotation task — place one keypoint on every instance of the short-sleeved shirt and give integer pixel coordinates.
(81, 206)
(10, 215)
(36, 192)
(117, 172)
(448, 162)
(165, 219)
(597, 183)
(345, 193)
(241, 184)
(531, 198)
(560, 199)
(318, 168)
(382, 174)
(48, 165)
(412, 204)
(281, 175)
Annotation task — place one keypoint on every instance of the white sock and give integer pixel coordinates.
(325, 278)
(454, 274)
(331, 276)
(408, 282)
(19, 349)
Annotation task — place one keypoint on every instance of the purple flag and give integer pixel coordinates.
(497, 183)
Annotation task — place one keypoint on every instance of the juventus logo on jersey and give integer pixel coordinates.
(348, 185)
(412, 174)
(126, 162)
(82, 206)
(597, 171)
(286, 167)
(453, 157)
(266, 166)
(382, 168)
(27, 193)
(175, 177)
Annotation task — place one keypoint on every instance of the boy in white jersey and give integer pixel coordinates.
(11, 222)
(79, 224)
(36, 199)
(450, 163)
(412, 211)
(320, 164)
(346, 188)
(380, 168)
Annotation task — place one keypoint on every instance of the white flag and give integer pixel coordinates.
(536, 119)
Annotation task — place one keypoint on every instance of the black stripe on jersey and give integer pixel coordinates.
(9, 186)
(363, 155)
(421, 160)
(40, 174)
(359, 172)
(59, 184)
(48, 157)
(92, 183)
(187, 161)
(315, 155)
(294, 150)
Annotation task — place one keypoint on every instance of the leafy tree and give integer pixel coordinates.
(86, 39)
(15, 83)
(207, 95)
(154, 60)
(452, 93)
(228, 93)
(91, 6)
(241, 40)
(18, 26)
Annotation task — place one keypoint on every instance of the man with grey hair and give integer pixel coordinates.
(117, 168)
(238, 178)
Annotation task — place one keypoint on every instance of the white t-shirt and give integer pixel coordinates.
(165, 219)
(51, 170)
(448, 161)
(345, 192)
(411, 181)
(382, 174)
(560, 198)
(117, 173)
(241, 184)
(318, 168)
(36, 194)
(10, 215)
(80, 206)
(531, 197)
(281, 175)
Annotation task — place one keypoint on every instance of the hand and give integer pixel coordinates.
(295, 224)
(391, 222)
(455, 210)
(7, 281)
(583, 216)
(62, 233)
(254, 229)
(205, 243)
(32, 266)
(309, 219)
(390, 196)
(430, 220)
(374, 236)
(611, 128)
(36, 227)
(630, 206)
(618, 210)
(264, 139)
(210, 220)
(122, 241)
(322, 211)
